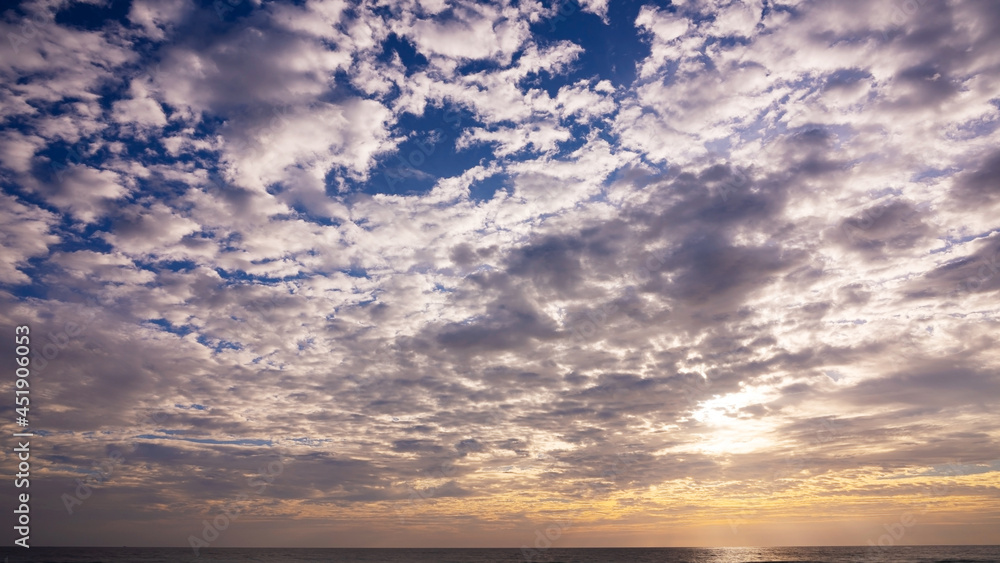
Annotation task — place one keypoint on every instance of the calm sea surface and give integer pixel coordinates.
(929, 554)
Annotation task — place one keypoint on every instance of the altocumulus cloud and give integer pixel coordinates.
(748, 257)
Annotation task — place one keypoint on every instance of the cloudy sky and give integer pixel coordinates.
(450, 273)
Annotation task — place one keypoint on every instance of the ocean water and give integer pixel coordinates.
(900, 554)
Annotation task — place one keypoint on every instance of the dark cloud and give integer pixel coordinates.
(884, 229)
(978, 272)
(764, 268)
(846, 79)
(980, 186)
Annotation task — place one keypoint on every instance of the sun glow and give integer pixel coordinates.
(729, 427)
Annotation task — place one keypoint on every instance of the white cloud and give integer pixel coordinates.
(347, 135)
(157, 230)
(84, 192)
(140, 108)
(18, 150)
(474, 32)
(157, 17)
(598, 7)
(731, 230)
(25, 232)
(101, 267)
(540, 137)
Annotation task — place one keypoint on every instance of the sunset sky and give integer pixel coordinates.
(456, 273)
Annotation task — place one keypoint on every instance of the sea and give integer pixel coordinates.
(896, 554)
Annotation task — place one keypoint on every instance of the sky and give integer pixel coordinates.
(452, 273)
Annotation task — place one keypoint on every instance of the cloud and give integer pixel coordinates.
(158, 18)
(85, 193)
(646, 296)
(347, 135)
(27, 233)
(979, 186)
(140, 109)
(17, 151)
(470, 31)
